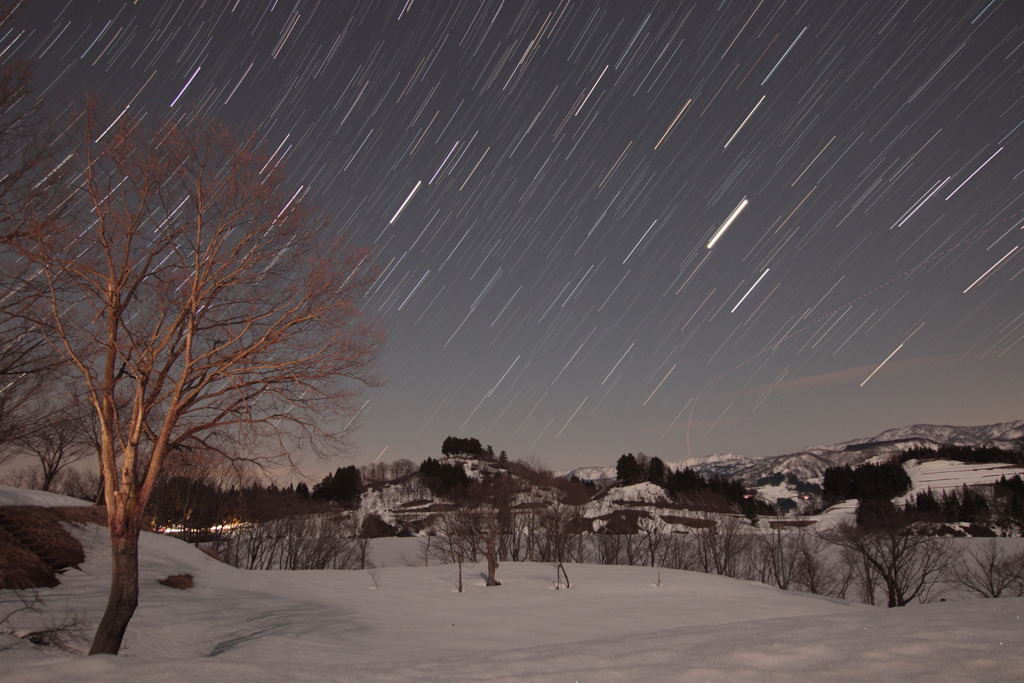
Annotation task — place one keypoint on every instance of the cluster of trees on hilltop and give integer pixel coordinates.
(470, 447)
(454, 445)
(631, 469)
(884, 480)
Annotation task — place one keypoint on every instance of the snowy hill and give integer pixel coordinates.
(810, 464)
(614, 623)
(409, 505)
(944, 475)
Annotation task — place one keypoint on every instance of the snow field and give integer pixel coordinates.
(614, 624)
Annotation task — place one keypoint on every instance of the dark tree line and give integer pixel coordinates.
(454, 445)
(195, 506)
(956, 505)
(635, 469)
(1002, 504)
(344, 487)
(444, 479)
(1008, 493)
(884, 480)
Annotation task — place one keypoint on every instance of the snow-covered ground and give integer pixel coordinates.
(614, 624)
(943, 475)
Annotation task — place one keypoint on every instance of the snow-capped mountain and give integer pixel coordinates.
(810, 464)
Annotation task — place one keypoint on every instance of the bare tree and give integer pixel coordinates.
(607, 548)
(908, 564)
(303, 541)
(58, 440)
(79, 483)
(678, 552)
(477, 523)
(357, 531)
(654, 533)
(721, 543)
(26, 365)
(815, 569)
(183, 282)
(452, 544)
(989, 571)
(403, 467)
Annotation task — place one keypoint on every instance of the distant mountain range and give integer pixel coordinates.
(810, 464)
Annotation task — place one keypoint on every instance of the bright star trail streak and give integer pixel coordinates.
(910, 212)
(618, 362)
(571, 417)
(589, 93)
(996, 265)
(407, 199)
(672, 125)
(551, 198)
(791, 45)
(975, 173)
(638, 243)
(750, 290)
(728, 221)
(733, 136)
(881, 364)
(178, 97)
(659, 384)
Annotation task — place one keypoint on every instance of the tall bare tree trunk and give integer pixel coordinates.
(234, 289)
(491, 553)
(124, 590)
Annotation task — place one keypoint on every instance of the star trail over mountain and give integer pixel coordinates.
(604, 226)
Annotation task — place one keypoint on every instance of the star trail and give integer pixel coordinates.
(602, 226)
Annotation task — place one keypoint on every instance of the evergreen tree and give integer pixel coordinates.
(325, 489)
(444, 479)
(454, 445)
(627, 470)
(656, 471)
(681, 481)
(348, 486)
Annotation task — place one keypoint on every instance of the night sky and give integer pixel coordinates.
(617, 226)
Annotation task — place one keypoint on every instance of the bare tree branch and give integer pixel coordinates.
(198, 306)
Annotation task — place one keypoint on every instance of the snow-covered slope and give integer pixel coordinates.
(943, 475)
(14, 496)
(810, 463)
(614, 624)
